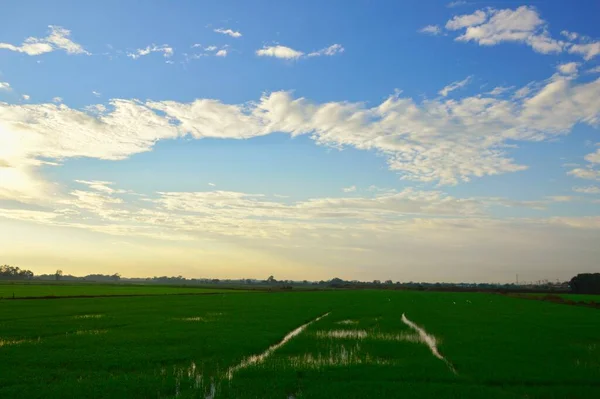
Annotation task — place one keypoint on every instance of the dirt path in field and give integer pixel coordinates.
(256, 359)
(429, 340)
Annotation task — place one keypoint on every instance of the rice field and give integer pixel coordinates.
(322, 344)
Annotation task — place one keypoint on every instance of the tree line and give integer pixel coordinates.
(584, 283)
(8, 272)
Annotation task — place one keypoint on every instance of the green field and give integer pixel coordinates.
(62, 289)
(200, 346)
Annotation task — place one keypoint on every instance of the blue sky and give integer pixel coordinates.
(405, 140)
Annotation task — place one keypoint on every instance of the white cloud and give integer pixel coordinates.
(212, 184)
(569, 68)
(594, 70)
(490, 27)
(228, 32)
(350, 189)
(25, 97)
(582, 45)
(5, 86)
(464, 21)
(95, 93)
(589, 174)
(431, 30)
(454, 86)
(594, 157)
(165, 49)
(587, 190)
(444, 141)
(211, 48)
(221, 53)
(279, 51)
(328, 51)
(586, 50)
(58, 39)
(57, 100)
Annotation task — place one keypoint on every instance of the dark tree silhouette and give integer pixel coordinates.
(585, 283)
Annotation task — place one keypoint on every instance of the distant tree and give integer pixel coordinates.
(336, 282)
(585, 283)
(389, 282)
(376, 282)
(116, 277)
(271, 280)
(58, 274)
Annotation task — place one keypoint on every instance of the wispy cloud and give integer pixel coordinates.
(228, 32)
(57, 39)
(593, 70)
(5, 86)
(221, 53)
(350, 189)
(454, 86)
(431, 30)
(95, 93)
(586, 50)
(165, 49)
(499, 90)
(289, 53)
(456, 3)
(587, 190)
(328, 51)
(591, 171)
(585, 173)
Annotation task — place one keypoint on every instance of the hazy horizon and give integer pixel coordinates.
(429, 141)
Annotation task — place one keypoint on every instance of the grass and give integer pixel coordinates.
(36, 289)
(183, 346)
